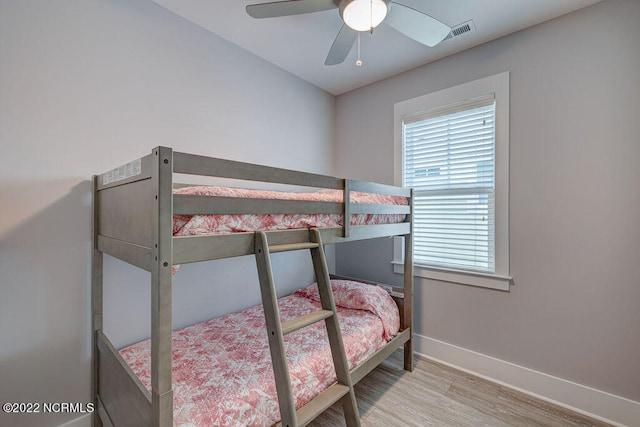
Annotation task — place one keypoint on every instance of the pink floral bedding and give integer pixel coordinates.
(222, 373)
(191, 225)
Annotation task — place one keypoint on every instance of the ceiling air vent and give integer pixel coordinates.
(461, 29)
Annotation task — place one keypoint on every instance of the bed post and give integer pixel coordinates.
(161, 284)
(96, 303)
(408, 289)
(346, 219)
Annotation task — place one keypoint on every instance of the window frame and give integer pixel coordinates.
(498, 85)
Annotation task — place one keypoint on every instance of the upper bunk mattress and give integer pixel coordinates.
(222, 372)
(193, 225)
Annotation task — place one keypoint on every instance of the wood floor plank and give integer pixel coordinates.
(438, 395)
(521, 409)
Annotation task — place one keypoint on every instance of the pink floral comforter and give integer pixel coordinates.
(191, 225)
(222, 373)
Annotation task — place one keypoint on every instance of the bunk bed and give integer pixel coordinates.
(142, 216)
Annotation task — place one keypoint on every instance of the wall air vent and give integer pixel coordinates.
(461, 29)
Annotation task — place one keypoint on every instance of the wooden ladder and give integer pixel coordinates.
(343, 388)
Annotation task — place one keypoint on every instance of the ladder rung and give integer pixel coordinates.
(306, 320)
(292, 247)
(321, 403)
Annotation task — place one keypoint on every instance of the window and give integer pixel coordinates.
(449, 162)
(454, 153)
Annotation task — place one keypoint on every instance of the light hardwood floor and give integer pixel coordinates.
(437, 395)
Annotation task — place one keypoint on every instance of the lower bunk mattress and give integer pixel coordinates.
(222, 372)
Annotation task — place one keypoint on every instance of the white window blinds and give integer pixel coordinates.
(449, 161)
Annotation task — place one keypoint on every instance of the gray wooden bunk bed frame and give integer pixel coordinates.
(133, 211)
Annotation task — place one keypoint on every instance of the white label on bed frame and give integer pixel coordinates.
(123, 172)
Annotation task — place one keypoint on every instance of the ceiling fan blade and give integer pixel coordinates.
(286, 8)
(416, 25)
(341, 46)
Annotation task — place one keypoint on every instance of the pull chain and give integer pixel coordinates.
(359, 62)
(371, 17)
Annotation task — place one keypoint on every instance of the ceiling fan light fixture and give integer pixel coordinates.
(363, 15)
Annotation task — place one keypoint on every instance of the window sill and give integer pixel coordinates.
(470, 278)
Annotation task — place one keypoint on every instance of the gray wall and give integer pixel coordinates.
(574, 206)
(87, 85)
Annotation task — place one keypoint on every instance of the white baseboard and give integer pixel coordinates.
(597, 404)
(83, 421)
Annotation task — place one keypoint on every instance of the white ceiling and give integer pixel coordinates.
(299, 44)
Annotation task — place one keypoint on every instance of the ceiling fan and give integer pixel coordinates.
(359, 16)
